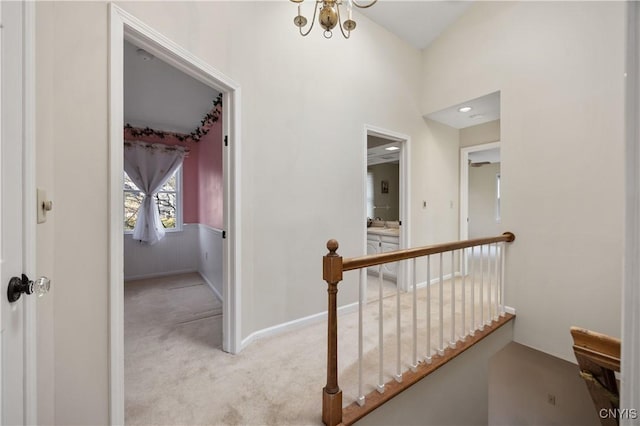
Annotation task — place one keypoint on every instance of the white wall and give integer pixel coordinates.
(45, 232)
(302, 181)
(210, 257)
(480, 134)
(176, 253)
(521, 380)
(455, 394)
(197, 248)
(559, 67)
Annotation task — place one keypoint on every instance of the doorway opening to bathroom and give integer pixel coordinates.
(386, 203)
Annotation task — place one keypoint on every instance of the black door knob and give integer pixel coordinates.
(17, 286)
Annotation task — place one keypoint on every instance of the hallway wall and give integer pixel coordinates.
(299, 186)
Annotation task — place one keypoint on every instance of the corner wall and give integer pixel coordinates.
(455, 394)
(521, 382)
(559, 67)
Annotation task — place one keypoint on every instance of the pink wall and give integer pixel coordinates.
(201, 175)
(210, 177)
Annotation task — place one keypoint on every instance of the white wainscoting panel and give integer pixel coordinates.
(174, 254)
(210, 257)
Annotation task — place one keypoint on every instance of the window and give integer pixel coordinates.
(370, 207)
(168, 199)
(498, 197)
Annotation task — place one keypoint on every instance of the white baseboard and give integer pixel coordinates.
(510, 310)
(434, 281)
(295, 324)
(159, 274)
(211, 286)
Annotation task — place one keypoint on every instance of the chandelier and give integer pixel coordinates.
(330, 16)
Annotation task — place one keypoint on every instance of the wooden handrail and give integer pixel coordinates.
(598, 357)
(350, 264)
(333, 265)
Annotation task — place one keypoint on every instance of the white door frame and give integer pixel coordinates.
(27, 37)
(124, 26)
(464, 184)
(630, 368)
(405, 190)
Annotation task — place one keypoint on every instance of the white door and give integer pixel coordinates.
(12, 316)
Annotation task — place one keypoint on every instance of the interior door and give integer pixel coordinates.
(12, 315)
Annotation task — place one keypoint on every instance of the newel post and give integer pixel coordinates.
(331, 394)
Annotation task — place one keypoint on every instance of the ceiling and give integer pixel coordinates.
(159, 96)
(483, 110)
(377, 152)
(487, 155)
(417, 22)
(163, 98)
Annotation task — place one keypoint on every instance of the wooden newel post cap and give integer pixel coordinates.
(510, 235)
(332, 264)
(332, 246)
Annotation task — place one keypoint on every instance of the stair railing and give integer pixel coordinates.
(489, 291)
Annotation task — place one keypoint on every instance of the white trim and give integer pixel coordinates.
(630, 368)
(405, 193)
(434, 281)
(2, 261)
(510, 310)
(29, 213)
(296, 324)
(160, 274)
(211, 286)
(464, 184)
(203, 225)
(126, 26)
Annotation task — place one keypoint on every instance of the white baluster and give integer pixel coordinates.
(398, 375)
(361, 305)
(452, 341)
(414, 365)
(427, 357)
(441, 313)
(489, 282)
(481, 288)
(380, 386)
(496, 311)
(473, 292)
(463, 269)
(503, 253)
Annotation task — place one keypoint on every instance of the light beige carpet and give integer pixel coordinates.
(176, 373)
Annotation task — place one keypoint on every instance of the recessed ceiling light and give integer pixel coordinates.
(392, 148)
(464, 109)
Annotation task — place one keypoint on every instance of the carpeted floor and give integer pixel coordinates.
(176, 372)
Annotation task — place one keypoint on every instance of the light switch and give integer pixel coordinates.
(43, 205)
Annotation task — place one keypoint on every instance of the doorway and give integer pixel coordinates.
(124, 26)
(386, 203)
(480, 204)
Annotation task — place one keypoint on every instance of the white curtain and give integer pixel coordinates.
(150, 166)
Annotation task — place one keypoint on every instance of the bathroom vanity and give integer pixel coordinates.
(383, 237)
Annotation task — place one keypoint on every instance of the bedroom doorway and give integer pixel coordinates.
(125, 27)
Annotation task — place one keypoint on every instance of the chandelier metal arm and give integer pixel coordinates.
(313, 20)
(364, 6)
(348, 34)
(329, 16)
